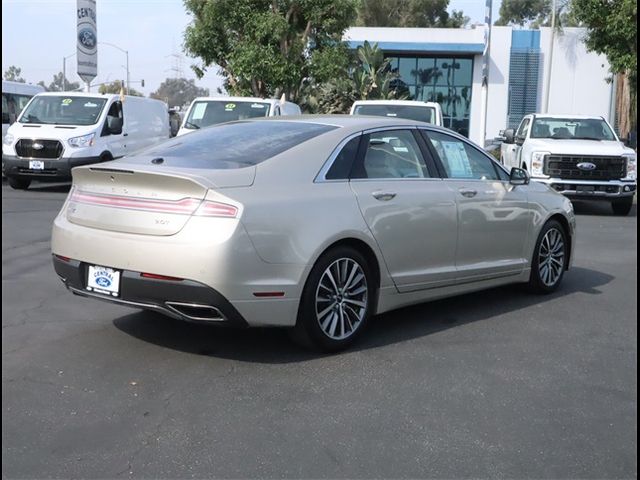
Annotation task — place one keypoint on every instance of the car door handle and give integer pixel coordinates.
(125, 134)
(465, 192)
(383, 196)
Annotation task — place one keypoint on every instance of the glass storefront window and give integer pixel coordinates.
(407, 70)
(445, 80)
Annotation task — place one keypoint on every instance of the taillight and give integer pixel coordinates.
(185, 206)
(60, 257)
(216, 209)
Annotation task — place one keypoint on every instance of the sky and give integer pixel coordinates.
(37, 34)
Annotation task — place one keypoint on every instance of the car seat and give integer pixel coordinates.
(377, 165)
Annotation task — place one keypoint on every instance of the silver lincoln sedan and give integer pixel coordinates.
(315, 223)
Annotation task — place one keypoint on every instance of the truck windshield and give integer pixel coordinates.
(572, 129)
(419, 113)
(61, 110)
(210, 112)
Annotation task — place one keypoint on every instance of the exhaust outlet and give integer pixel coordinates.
(194, 311)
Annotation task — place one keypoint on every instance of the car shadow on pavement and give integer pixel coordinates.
(57, 188)
(599, 209)
(272, 345)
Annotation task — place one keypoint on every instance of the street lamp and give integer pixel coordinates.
(126, 52)
(64, 71)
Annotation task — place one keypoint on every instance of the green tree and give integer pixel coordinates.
(269, 47)
(612, 30)
(12, 74)
(536, 13)
(117, 87)
(369, 78)
(373, 75)
(179, 91)
(409, 13)
(57, 84)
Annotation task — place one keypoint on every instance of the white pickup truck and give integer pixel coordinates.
(429, 112)
(578, 156)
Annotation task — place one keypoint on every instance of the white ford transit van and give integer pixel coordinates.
(429, 112)
(206, 111)
(57, 131)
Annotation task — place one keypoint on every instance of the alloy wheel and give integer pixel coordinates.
(551, 257)
(341, 298)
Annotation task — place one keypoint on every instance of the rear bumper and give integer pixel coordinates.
(591, 190)
(183, 300)
(55, 169)
(217, 261)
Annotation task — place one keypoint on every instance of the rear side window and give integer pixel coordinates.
(233, 145)
(341, 166)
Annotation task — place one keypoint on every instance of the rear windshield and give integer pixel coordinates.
(232, 145)
(421, 114)
(211, 112)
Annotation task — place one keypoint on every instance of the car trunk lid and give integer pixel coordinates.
(147, 200)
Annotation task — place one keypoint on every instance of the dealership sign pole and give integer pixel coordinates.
(87, 41)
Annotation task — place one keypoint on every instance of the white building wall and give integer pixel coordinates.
(578, 81)
(498, 101)
(578, 77)
(414, 35)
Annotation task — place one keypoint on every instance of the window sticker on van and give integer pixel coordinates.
(257, 105)
(198, 111)
(229, 107)
(90, 105)
(67, 101)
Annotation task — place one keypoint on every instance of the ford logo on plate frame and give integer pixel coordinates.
(586, 166)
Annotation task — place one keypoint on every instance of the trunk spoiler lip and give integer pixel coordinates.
(246, 176)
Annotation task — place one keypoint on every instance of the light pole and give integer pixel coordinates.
(547, 86)
(126, 52)
(64, 71)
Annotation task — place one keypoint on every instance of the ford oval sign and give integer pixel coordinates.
(87, 38)
(103, 281)
(588, 166)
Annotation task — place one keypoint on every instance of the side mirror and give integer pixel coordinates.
(518, 176)
(114, 125)
(509, 135)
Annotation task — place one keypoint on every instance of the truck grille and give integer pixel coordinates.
(566, 167)
(50, 148)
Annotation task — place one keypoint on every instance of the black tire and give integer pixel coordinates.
(622, 207)
(309, 331)
(19, 183)
(547, 280)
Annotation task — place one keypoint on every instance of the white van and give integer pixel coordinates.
(429, 112)
(15, 96)
(57, 131)
(206, 111)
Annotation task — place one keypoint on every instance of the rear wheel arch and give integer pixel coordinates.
(362, 247)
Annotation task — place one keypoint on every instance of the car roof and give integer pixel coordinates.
(352, 122)
(412, 103)
(568, 115)
(238, 99)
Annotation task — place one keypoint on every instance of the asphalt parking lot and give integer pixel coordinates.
(496, 384)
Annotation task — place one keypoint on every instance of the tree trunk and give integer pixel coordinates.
(623, 105)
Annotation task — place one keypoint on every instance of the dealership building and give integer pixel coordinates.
(445, 65)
